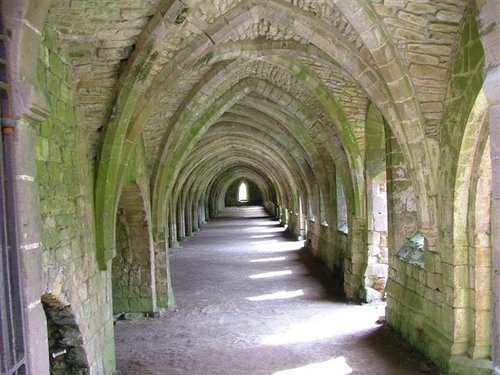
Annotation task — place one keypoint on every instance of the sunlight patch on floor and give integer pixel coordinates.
(262, 235)
(266, 222)
(278, 295)
(274, 259)
(266, 275)
(263, 242)
(335, 366)
(264, 229)
(322, 327)
(278, 247)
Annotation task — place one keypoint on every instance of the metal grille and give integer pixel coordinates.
(13, 359)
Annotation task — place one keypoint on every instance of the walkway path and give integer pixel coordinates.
(250, 302)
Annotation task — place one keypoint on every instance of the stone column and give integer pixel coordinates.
(188, 217)
(23, 22)
(181, 229)
(492, 91)
(195, 214)
(172, 222)
(489, 21)
(202, 218)
(29, 227)
(164, 293)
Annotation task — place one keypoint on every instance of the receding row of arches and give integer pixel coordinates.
(373, 152)
(318, 215)
(325, 218)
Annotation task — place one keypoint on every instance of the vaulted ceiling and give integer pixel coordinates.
(274, 90)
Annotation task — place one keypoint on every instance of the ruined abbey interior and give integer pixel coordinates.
(369, 128)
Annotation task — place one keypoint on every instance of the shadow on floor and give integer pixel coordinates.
(260, 307)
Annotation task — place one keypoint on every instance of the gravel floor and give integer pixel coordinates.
(251, 301)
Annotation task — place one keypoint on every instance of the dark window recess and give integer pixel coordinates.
(13, 359)
(412, 251)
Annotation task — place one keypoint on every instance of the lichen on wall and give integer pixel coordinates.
(429, 305)
(64, 175)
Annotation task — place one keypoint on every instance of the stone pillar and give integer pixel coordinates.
(489, 25)
(206, 210)
(173, 227)
(181, 229)
(355, 261)
(195, 214)
(202, 213)
(302, 225)
(492, 91)
(29, 226)
(164, 293)
(24, 26)
(188, 214)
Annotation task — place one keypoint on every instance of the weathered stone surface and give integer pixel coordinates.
(412, 250)
(428, 72)
(184, 98)
(412, 18)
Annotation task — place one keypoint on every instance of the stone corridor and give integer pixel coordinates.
(132, 129)
(250, 300)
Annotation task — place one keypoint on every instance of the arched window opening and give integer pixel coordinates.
(243, 193)
(341, 207)
(322, 209)
(302, 221)
(311, 214)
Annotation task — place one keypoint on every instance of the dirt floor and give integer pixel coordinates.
(251, 301)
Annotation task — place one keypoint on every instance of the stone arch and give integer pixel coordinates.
(133, 268)
(480, 267)
(218, 184)
(290, 173)
(488, 15)
(471, 238)
(408, 125)
(270, 152)
(233, 181)
(165, 176)
(66, 352)
(115, 150)
(244, 87)
(345, 132)
(217, 187)
(358, 268)
(212, 185)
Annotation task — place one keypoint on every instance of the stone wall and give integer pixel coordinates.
(120, 265)
(294, 224)
(329, 245)
(434, 306)
(64, 173)
(298, 94)
(405, 286)
(133, 266)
